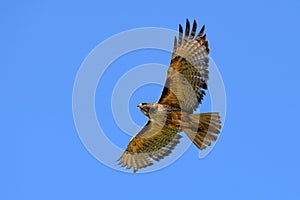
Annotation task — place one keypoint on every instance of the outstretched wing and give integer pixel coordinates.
(187, 74)
(153, 142)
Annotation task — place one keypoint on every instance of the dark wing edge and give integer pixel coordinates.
(151, 143)
(189, 60)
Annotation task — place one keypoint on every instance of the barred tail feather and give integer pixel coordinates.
(203, 129)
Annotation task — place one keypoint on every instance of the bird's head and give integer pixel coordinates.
(145, 108)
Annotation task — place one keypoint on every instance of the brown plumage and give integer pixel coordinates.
(184, 90)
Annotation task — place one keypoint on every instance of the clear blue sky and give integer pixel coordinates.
(256, 46)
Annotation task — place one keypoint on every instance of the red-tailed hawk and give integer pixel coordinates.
(184, 90)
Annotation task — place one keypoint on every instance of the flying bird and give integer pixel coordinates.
(173, 113)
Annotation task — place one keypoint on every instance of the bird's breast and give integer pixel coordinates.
(166, 117)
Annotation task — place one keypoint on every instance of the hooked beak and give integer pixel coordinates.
(139, 105)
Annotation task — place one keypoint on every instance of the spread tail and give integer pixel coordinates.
(202, 128)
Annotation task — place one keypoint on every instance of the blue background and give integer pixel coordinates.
(256, 46)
